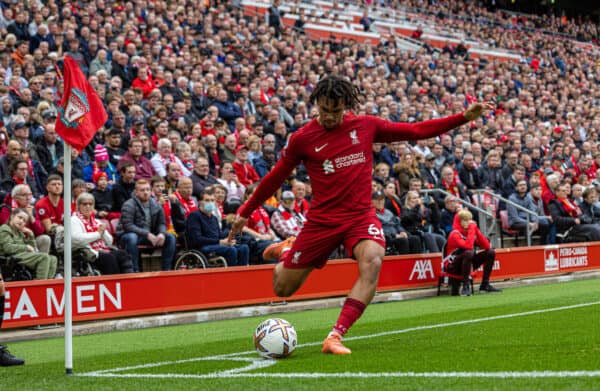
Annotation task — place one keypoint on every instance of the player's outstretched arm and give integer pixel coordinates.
(389, 131)
(265, 189)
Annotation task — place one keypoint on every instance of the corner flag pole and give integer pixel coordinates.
(68, 262)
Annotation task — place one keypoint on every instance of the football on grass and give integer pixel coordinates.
(275, 338)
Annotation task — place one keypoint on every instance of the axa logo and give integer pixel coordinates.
(423, 270)
(551, 259)
(354, 137)
(328, 167)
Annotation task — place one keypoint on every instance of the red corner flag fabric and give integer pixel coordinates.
(81, 112)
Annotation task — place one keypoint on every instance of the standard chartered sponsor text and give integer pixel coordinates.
(350, 160)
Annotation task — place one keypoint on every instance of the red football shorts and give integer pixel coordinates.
(317, 242)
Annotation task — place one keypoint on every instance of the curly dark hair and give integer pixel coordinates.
(336, 88)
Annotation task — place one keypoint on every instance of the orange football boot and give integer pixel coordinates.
(333, 344)
(274, 251)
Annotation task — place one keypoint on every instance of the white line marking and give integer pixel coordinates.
(256, 363)
(344, 375)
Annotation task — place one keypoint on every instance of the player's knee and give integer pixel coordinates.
(283, 289)
(370, 267)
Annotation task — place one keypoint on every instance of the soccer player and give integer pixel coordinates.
(336, 149)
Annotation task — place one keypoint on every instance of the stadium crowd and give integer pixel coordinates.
(201, 98)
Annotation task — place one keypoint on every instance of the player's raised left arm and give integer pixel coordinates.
(389, 131)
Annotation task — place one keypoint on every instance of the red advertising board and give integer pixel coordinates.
(41, 302)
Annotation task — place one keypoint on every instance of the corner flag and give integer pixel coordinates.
(81, 112)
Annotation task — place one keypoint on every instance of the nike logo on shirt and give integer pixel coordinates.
(318, 149)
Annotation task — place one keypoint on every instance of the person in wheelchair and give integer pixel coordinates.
(6, 359)
(461, 246)
(18, 241)
(203, 233)
(94, 242)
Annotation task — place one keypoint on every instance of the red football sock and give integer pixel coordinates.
(351, 311)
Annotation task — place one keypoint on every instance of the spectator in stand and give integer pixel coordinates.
(16, 240)
(228, 149)
(228, 111)
(430, 175)
(451, 184)
(461, 243)
(101, 163)
(162, 197)
(183, 203)
(420, 217)
(284, 220)
(451, 207)
(549, 192)
(490, 172)
(243, 169)
(406, 170)
(201, 177)
(134, 154)
(13, 152)
(164, 156)
(468, 174)
(113, 140)
(50, 210)
(22, 197)
(566, 215)
(19, 175)
(49, 149)
(172, 177)
(229, 179)
(510, 182)
(125, 187)
(259, 228)
(265, 162)
(536, 196)
(518, 219)
(143, 222)
(93, 238)
(590, 208)
(203, 233)
(392, 201)
(184, 152)
(103, 197)
(301, 204)
(381, 173)
(398, 240)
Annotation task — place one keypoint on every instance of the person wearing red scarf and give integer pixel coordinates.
(91, 236)
(182, 203)
(566, 216)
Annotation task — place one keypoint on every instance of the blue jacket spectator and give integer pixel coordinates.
(203, 233)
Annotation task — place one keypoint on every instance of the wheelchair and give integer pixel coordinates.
(13, 271)
(83, 266)
(188, 258)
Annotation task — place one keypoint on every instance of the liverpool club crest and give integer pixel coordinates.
(75, 109)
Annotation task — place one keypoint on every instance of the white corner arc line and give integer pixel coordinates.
(256, 363)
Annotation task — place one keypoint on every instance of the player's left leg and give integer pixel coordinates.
(369, 255)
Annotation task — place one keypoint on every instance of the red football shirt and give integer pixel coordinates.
(46, 210)
(339, 163)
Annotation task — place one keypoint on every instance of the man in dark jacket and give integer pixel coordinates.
(203, 233)
(143, 222)
(201, 177)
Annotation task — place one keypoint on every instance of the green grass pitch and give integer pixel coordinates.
(543, 337)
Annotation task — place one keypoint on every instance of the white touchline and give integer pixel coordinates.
(256, 363)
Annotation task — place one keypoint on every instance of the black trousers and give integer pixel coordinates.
(469, 260)
(114, 262)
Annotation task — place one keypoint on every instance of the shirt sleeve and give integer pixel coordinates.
(290, 158)
(387, 131)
